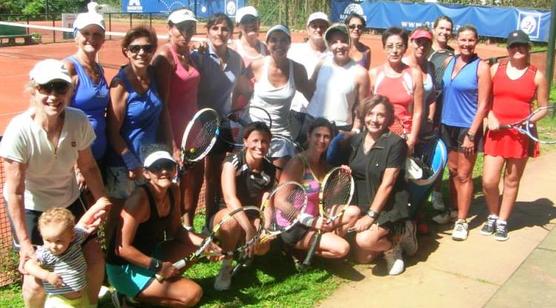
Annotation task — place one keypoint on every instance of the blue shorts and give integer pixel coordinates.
(129, 279)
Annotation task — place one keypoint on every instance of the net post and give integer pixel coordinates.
(110, 25)
(150, 20)
(130, 20)
(53, 31)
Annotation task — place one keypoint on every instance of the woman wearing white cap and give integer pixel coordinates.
(340, 83)
(248, 45)
(150, 239)
(178, 80)
(276, 80)
(40, 148)
(91, 89)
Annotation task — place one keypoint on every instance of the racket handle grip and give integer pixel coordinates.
(159, 277)
(312, 250)
(180, 264)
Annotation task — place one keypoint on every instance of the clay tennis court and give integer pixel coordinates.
(17, 61)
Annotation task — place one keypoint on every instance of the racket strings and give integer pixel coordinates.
(287, 205)
(336, 192)
(200, 138)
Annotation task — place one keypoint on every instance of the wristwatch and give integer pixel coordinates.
(155, 265)
(470, 135)
(372, 214)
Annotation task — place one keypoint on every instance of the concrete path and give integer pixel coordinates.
(480, 271)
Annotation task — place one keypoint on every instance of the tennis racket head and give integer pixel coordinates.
(200, 135)
(544, 129)
(282, 208)
(336, 192)
(238, 119)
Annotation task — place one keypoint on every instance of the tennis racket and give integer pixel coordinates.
(539, 126)
(199, 137)
(236, 121)
(282, 209)
(240, 253)
(335, 196)
(203, 249)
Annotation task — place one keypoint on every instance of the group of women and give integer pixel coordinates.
(372, 118)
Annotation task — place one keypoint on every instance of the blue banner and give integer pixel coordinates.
(490, 21)
(201, 8)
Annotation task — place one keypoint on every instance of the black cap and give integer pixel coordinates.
(518, 37)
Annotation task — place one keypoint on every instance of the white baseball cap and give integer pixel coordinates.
(156, 156)
(246, 11)
(280, 28)
(48, 70)
(181, 15)
(317, 16)
(90, 18)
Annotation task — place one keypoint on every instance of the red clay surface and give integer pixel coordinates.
(17, 61)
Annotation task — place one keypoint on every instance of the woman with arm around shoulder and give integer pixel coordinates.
(309, 168)
(377, 159)
(150, 238)
(466, 94)
(40, 149)
(178, 80)
(401, 84)
(360, 53)
(247, 176)
(515, 85)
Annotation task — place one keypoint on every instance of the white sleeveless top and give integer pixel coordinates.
(335, 93)
(275, 100)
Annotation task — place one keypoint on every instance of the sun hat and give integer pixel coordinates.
(518, 37)
(280, 28)
(181, 15)
(246, 12)
(85, 19)
(48, 70)
(317, 16)
(336, 27)
(156, 156)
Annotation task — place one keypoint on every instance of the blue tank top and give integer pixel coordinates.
(92, 99)
(142, 119)
(460, 94)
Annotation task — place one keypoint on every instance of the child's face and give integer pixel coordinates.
(56, 237)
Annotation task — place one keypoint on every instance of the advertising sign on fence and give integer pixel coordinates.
(491, 21)
(201, 8)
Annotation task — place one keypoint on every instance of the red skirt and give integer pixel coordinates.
(509, 143)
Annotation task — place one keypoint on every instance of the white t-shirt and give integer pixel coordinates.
(49, 177)
(303, 54)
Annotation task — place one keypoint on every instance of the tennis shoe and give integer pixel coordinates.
(224, 278)
(501, 233)
(408, 242)
(490, 225)
(460, 231)
(437, 201)
(394, 260)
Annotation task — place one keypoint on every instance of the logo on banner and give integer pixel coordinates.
(529, 23)
(353, 8)
(231, 7)
(134, 6)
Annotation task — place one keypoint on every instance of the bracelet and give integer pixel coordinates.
(130, 161)
(371, 213)
(470, 135)
(155, 265)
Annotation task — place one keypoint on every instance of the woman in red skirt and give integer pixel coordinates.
(515, 85)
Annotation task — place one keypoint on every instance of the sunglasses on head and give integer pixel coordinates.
(358, 27)
(162, 165)
(148, 48)
(58, 87)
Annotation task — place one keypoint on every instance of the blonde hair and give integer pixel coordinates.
(57, 215)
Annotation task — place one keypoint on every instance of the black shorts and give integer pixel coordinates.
(453, 137)
(77, 208)
(294, 235)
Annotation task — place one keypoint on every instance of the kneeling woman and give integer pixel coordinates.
(149, 238)
(309, 168)
(247, 176)
(377, 158)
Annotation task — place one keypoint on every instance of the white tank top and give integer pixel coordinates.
(275, 100)
(335, 93)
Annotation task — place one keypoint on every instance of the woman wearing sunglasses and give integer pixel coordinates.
(360, 53)
(179, 80)
(150, 239)
(40, 148)
(247, 177)
(133, 114)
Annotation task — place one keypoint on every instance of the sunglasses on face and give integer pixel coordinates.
(162, 165)
(187, 29)
(358, 27)
(148, 48)
(58, 87)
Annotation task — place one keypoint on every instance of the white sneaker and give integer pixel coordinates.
(460, 231)
(437, 201)
(408, 242)
(224, 278)
(394, 260)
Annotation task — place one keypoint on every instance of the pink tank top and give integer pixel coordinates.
(182, 99)
(399, 91)
(312, 187)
